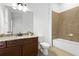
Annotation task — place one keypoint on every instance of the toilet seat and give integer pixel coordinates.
(44, 44)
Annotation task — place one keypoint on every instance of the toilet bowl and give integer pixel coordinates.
(45, 47)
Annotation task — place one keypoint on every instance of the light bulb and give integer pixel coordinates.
(19, 7)
(25, 8)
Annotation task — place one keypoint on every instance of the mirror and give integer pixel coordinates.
(15, 21)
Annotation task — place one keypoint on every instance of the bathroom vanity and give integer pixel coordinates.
(19, 46)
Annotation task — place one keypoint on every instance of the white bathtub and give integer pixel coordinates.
(66, 45)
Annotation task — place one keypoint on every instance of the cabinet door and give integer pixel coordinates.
(30, 50)
(30, 47)
(12, 51)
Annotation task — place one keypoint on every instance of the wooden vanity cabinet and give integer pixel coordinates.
(30, 47)
(19, 47)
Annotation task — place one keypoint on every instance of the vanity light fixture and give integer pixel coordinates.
(20, 6)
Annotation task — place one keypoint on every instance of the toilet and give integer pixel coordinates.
(44, 47)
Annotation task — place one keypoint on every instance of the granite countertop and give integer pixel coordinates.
(16, 37)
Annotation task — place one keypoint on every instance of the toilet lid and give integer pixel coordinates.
(44, 44)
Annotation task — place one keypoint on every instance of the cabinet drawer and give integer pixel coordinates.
(14, 42)
(2, 44)
(31, 40)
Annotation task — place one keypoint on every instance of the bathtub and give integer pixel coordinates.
(66, 45)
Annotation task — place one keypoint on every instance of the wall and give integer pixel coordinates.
(42, 21)
(55, 24)
(22, 22)
(70, 25)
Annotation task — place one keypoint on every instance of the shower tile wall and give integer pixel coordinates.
(55, 26)
(66, 23)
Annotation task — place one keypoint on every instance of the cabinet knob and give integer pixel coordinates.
(2, 44)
